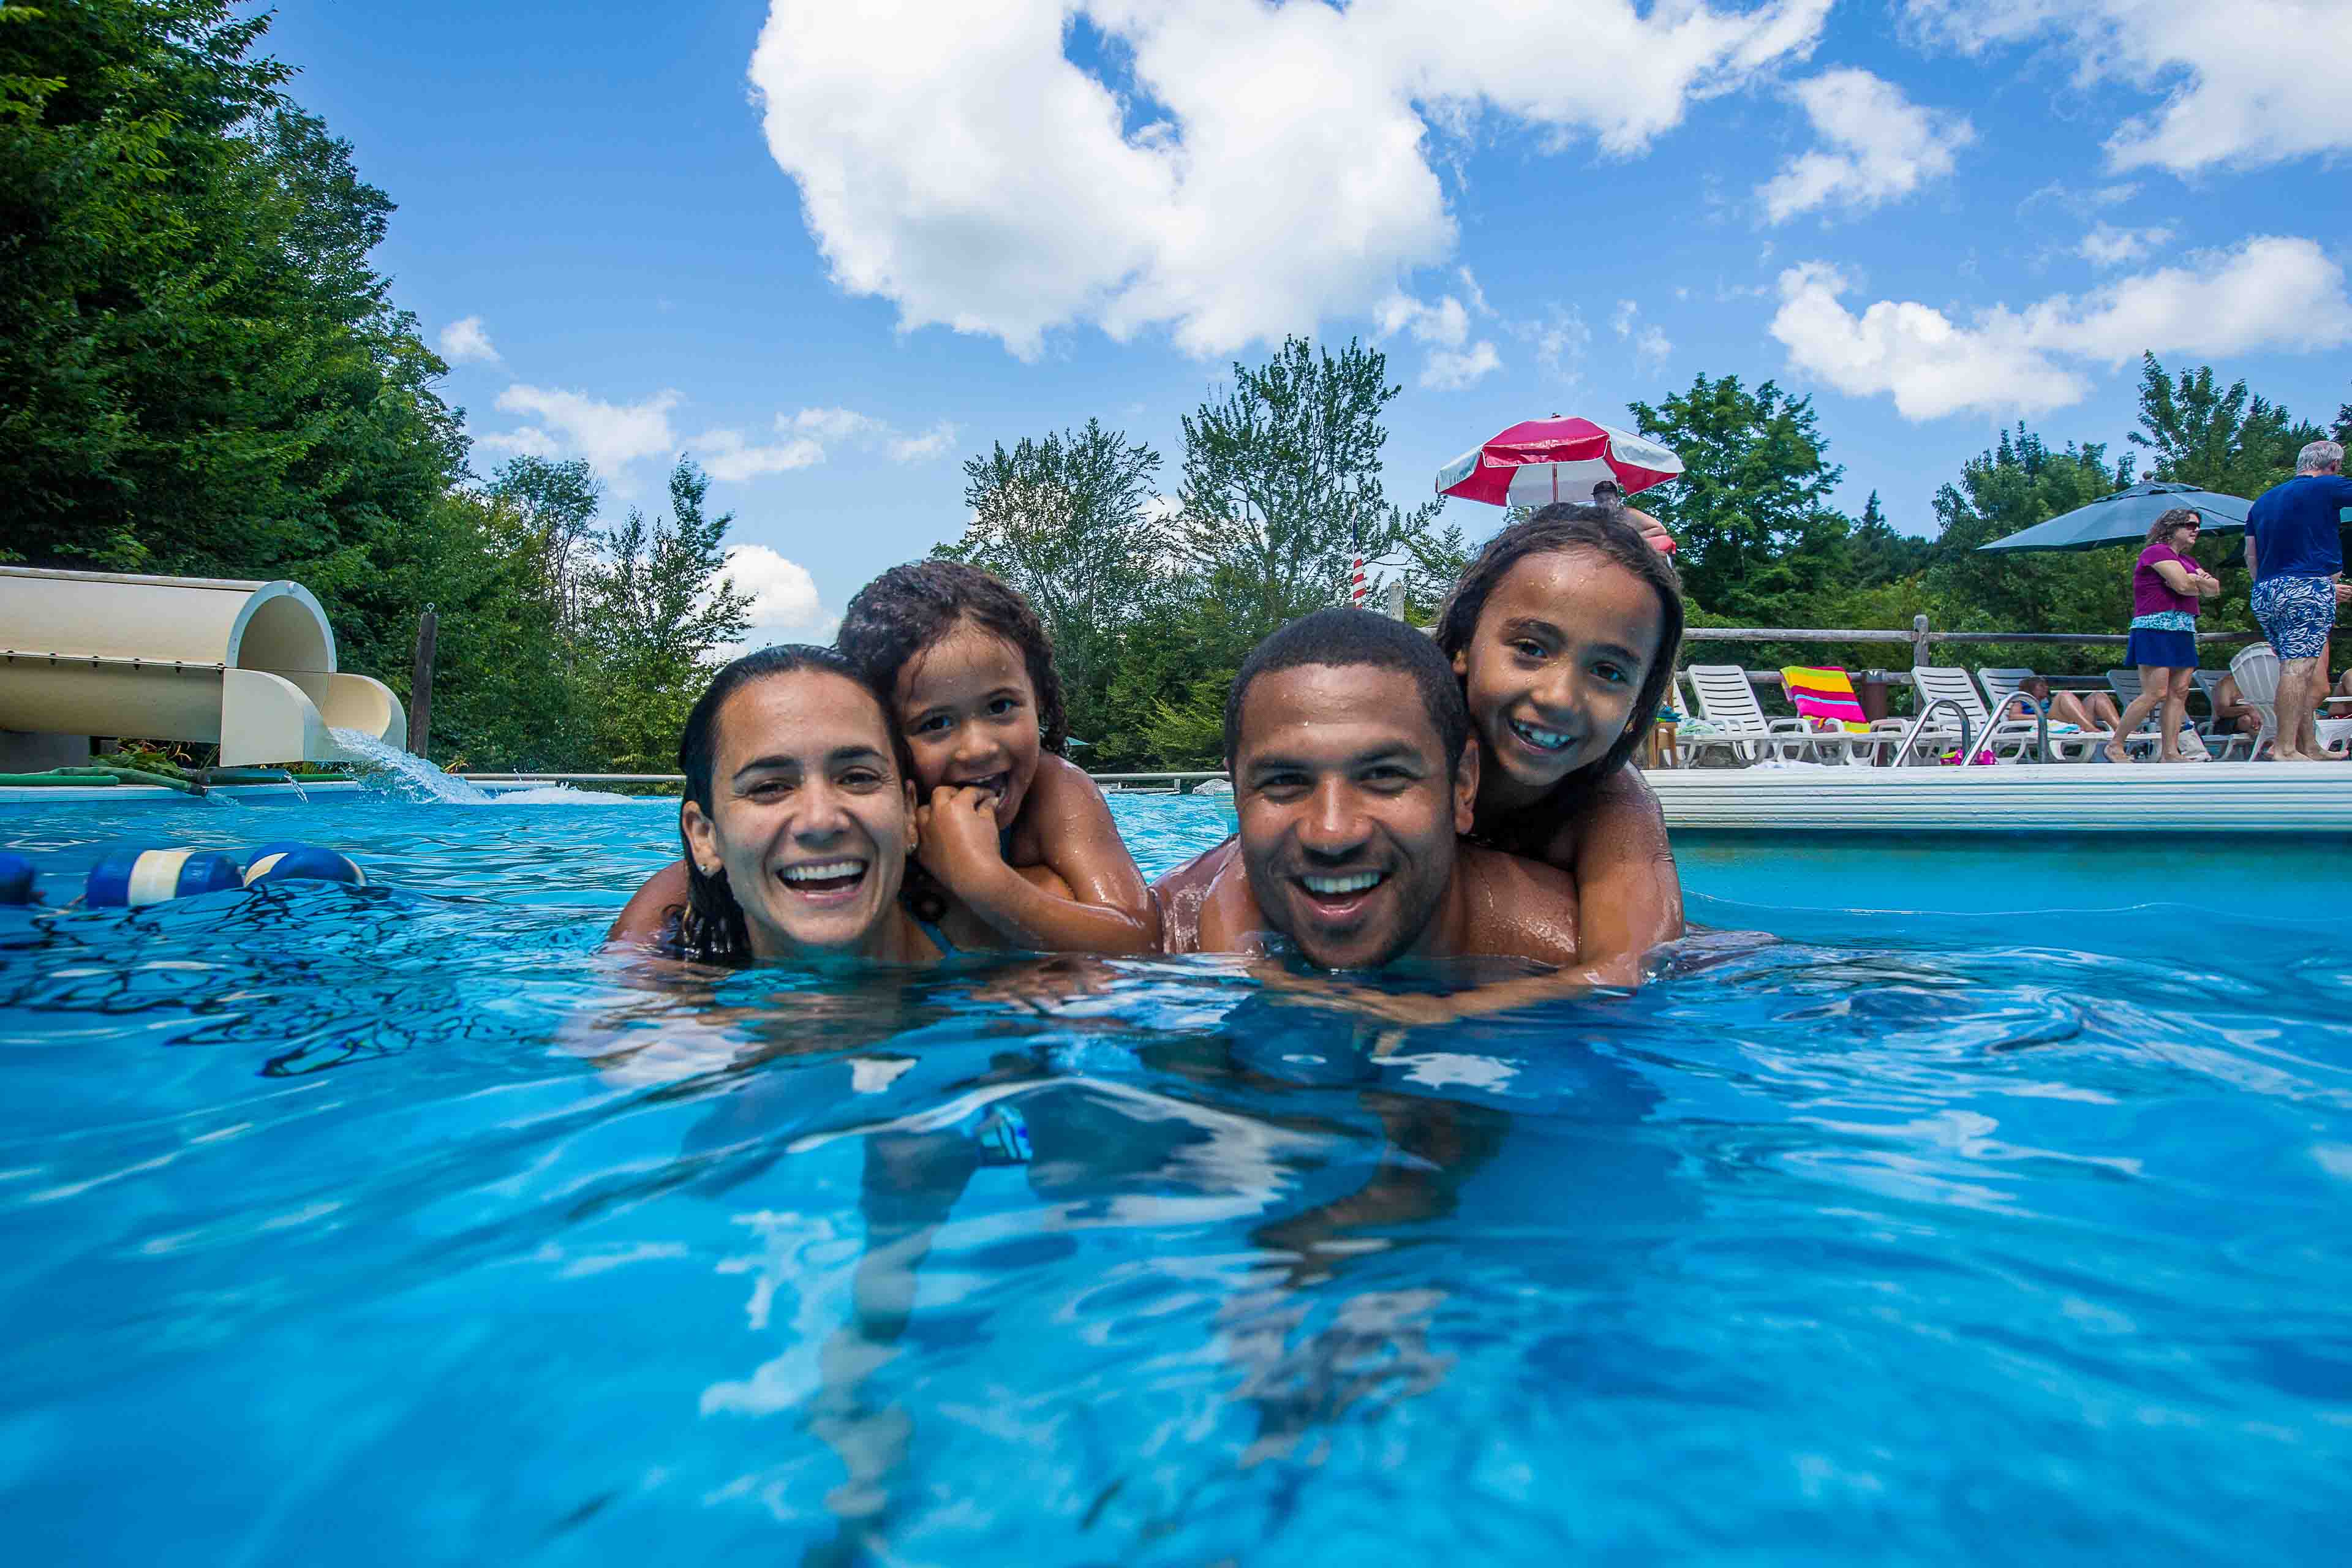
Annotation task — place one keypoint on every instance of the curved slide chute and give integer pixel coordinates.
(248, 666)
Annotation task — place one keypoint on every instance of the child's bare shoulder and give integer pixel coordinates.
(1523, 907)
(1621, 810)
(1061, 798)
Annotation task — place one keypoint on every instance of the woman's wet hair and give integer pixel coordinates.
(1559, 529)
(906, 611)
(710, 928)
(2160, 530)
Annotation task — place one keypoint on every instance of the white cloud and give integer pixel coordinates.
(1651, 344)
(784, 603)
(1559, 339)
(1444, 327)
(611, 436)
(467, 341)
(2270, 292)
(527, 442)
(827, 424)
(2107, 245)
(845, 425)
(1238, 171)
(1451, 369)
(1879, 146)
(933, 443)
(1931, 367)
(728, 458)
(2254, 81)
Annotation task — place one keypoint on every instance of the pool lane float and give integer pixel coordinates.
(302, 863)
(135, 878)
(16, 878)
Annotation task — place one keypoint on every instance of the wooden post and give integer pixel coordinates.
(1919, 653)
(420, 685)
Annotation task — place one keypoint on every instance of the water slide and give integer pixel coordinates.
(248, 666)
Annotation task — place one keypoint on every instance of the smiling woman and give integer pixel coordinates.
(798, 817)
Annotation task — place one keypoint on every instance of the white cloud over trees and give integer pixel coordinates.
(1226, 171)
(2269, 292)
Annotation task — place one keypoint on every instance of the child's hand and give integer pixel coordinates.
(956, 838)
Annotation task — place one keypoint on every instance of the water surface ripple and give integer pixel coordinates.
(396, 1224)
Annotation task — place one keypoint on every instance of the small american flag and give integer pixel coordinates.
(1356, 582)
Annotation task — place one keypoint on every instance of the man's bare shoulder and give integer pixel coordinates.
(1196, 900)
(1519, 908)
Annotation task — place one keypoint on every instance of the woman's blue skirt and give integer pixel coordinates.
(2163, 650)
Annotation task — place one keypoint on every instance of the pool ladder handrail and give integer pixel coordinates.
(2041, 723)
(2041, 727)
(1911, 736)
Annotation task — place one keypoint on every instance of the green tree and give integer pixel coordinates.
(200, 372)
(2020, 482)
(1751, 515)
(659, 609)
(2226, 440)
(1434, 562)
(1282, 484)
(1877, 552)
(1065, 520)
(554, 506)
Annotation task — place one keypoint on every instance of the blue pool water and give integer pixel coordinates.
(395, 1225)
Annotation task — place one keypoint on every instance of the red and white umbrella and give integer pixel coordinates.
(1539, 461)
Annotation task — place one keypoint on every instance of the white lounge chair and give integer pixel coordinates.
(2125, 685)
(2256, 668)
(1729, 703)
(2221, 743)
(2009, 741)
(2001, 684)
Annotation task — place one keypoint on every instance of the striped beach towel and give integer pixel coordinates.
(1825, 697)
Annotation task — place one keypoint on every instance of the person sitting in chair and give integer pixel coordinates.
(2090, 711)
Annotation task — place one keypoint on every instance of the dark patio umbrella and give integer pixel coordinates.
(2126, 516)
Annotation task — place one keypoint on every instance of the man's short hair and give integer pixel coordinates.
(2318, 455)
(1342, 637)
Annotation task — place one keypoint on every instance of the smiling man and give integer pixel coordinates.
(1354, 774)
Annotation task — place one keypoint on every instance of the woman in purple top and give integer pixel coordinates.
(2165, 586)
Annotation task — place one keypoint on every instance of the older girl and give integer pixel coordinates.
(1564, 631)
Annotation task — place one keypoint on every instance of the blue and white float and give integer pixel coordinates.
(302, 863)
(135, 878)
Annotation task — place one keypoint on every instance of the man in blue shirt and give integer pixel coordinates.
(2292, 550)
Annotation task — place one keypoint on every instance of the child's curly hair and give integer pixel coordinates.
(908, 608)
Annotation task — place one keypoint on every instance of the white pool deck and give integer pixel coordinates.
(2014, 798)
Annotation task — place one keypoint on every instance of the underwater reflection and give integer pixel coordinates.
(1284, 1166)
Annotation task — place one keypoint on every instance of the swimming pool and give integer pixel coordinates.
(393, 1226)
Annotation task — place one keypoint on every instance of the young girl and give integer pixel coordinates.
(1015, 844)
(1564, 631)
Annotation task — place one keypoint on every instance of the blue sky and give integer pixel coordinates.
(833, 247)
